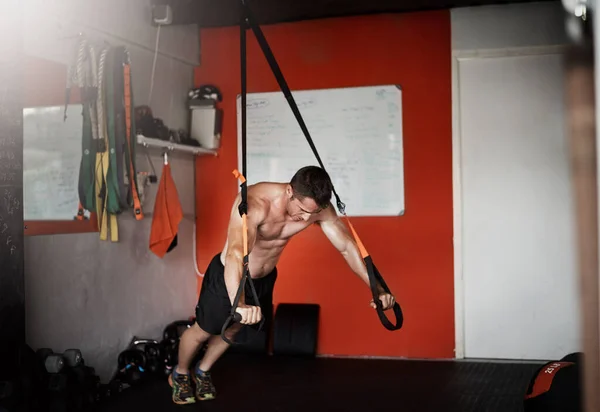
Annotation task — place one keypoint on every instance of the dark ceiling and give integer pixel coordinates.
(216, 13)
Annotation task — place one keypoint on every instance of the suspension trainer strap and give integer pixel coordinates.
(243, 207)
(375, 278)
(374, 275)
(266, 49)
(234, 316)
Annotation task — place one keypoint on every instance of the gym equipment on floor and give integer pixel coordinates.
(169, 345)
(295, 329)
(555, 386)
(132, 366)
(65, 383)
(152, 350)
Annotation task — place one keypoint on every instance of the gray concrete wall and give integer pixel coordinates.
(82, 292)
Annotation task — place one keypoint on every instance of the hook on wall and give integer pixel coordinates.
(165, 154)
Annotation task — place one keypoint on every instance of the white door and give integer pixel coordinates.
(518, 255)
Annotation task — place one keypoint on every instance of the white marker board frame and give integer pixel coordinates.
(51, 162)
(358, 133)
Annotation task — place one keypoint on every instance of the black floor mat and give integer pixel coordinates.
(287, 385)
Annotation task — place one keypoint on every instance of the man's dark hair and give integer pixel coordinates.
(313, 182)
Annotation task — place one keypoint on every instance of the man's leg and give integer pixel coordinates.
(205, 389)
(189, 343)
(217, 347)
(180, 380)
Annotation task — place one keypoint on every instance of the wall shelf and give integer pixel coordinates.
(195, 150)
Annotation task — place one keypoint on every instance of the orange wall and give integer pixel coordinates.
(413, 252)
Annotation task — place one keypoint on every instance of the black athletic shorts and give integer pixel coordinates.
(214, 306)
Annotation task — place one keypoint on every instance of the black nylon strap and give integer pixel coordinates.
(236, 317)
(374, 278)
(266, 49)
(373, 273)
(243, 207)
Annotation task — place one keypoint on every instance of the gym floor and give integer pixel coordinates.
(267, 383)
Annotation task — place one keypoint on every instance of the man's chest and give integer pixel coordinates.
(281, 230)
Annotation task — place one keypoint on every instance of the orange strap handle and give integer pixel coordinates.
(242, 179)
(137, 205)
(239, 176)
(359, 243)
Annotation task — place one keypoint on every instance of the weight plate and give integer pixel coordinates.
(73, 357)
(54, 363)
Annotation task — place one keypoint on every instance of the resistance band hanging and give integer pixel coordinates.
(374, 275)
(108, 147)
(243, 207)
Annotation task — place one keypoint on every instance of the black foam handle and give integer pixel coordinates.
(237, 317)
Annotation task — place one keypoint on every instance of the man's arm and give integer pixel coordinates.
(234, 257)
(339, 236)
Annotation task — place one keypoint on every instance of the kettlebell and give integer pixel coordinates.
(132, 365)
(169, 356)
(151, 349)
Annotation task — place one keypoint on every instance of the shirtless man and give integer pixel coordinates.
(276, 212)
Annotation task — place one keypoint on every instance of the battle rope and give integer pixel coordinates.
(81, 74)
(375, 277)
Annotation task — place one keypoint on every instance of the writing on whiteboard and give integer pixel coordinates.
(256, 103)
(357, 133)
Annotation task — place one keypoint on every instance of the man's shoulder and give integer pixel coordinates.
(258, 208)
(328, 214)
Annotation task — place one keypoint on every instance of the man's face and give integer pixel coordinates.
(301, 209)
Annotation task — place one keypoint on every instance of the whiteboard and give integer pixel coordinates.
(357, 132)
(51, 161)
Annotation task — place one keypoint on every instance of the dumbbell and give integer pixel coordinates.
(73, 357)
(55, 362)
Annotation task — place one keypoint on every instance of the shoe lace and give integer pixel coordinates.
(206, 382)
(184, 382)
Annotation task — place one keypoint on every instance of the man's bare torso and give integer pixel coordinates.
(274, 231)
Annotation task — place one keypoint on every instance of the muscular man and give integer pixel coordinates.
(276, 212)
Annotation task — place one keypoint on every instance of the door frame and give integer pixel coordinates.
(457, 193)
